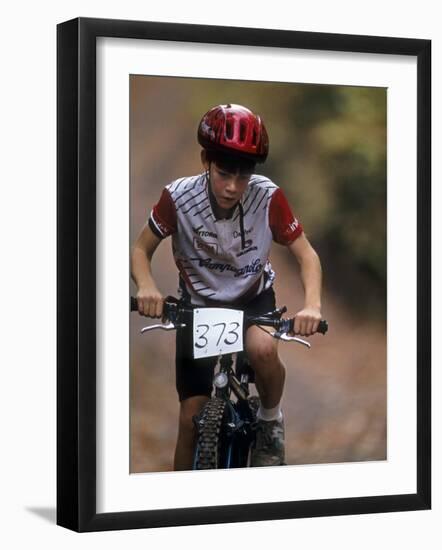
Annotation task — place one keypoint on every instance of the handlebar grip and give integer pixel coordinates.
(322, 327)
(134, 305)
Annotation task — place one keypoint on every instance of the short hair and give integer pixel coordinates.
(231, 163)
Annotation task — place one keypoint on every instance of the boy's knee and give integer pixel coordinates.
(186, 420)
(263, 353)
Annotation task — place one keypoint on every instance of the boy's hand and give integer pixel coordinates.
(150, 302)
(307, 321)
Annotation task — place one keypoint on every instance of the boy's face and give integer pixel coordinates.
(227, 187)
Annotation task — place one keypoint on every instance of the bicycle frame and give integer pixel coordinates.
(237, 434)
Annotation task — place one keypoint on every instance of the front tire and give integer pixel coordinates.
(209, 446)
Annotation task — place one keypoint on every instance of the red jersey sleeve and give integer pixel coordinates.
(163, 219)
(283, 224)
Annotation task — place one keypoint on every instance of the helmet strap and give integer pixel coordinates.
(215, 208)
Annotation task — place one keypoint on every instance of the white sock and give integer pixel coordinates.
(274, 413)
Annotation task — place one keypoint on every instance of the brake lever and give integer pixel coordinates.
(286, 338)
(167, 326)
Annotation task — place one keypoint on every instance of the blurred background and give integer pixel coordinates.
(328, 154)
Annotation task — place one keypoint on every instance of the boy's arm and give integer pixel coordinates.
(150, 300)
(307, 319)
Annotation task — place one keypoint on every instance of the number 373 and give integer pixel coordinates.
(229, 330)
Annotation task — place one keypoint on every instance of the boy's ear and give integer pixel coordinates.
(204, 160)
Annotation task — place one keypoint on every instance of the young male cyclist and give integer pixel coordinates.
(222, 224)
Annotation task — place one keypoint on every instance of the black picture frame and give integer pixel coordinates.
(76, 273)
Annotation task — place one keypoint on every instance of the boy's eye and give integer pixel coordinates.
(243, 177)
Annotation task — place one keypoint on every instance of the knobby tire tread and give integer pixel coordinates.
(209, 436)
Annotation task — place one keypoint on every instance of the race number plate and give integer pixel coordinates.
(217, 331)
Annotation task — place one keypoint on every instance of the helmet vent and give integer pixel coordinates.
(254, 137)
(229, 128)
(242, 131)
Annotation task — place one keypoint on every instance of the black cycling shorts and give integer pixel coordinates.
(195, 376)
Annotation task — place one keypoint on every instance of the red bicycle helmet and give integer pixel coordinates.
(236, 130)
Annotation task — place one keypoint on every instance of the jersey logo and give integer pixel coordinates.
(293, 225)
(237, 234)
(203, 233)
(205, 245)
(254, 267)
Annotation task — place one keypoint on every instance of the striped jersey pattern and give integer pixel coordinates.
(214, 262)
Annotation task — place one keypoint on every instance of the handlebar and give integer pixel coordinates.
(174, 311)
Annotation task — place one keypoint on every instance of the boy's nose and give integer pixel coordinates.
(231, 186)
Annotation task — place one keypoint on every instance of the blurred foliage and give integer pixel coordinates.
(339, 160)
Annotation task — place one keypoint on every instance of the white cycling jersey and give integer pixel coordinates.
(224, 260)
